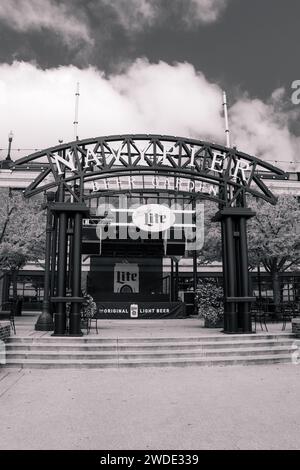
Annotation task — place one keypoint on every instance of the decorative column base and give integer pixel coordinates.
(45, 321)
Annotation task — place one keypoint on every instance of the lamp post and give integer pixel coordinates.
(7, 163)
(45, 320)
(10, 139)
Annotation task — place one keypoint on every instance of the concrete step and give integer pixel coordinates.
(38, 355)
(98, 338)
(174, 362)
(95, 351)
(155, 345)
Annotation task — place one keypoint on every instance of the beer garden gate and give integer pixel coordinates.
(198, 169)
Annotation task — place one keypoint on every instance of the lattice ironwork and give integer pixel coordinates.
(87, 167)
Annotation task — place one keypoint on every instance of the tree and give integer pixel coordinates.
(22, 229)
(212, 248)
(273, 239)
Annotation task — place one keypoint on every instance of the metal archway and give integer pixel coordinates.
(82, 169)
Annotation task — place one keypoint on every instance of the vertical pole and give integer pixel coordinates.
(45, 321)
(195, 279)
(60, 315)
(195, 263)
(76, 276)
(70, 260)
(224, 269)
(53, 259)
(172, 280)
(227, 133)
(259, 281)
(231, 324)
(244, 308)
(76, 112)
(176, 280)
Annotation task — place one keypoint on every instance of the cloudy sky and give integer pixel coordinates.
(153, 66)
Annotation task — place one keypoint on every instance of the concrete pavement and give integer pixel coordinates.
(253, 407)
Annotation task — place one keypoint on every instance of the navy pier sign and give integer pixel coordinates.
(144, 164)
(131, 162)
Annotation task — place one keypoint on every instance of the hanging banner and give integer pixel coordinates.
(140, 310)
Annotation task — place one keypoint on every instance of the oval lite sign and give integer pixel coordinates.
(153, 217)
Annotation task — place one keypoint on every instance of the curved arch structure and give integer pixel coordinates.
(145, 164)
(141, 163)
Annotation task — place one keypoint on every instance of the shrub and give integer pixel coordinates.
(209, 300)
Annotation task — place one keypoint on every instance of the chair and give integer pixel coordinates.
(8, 313)
(95, 319)
(259, 315)
(89, 313)
(85, 321)
(287, 311)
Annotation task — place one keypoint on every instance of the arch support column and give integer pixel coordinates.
(73, 212)
(237, 299)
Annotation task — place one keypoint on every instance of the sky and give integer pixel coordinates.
(151, 66)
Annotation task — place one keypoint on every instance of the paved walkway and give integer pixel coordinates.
(192, 408)
(142, 328)
(250, 407)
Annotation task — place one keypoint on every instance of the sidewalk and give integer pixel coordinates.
(253, 407)
(192, 408)
(142, 328)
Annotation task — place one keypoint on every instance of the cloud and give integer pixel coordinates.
(135, 15)
(263, 129)
(74, 20)
(206, 11)
(38, 106)
(152, 98)
(37, 15)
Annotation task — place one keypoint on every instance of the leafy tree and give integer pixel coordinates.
(274, 238)
(22, 233)
(212, 248)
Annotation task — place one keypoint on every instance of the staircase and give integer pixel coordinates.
(98, 352)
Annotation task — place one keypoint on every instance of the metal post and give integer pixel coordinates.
(70, 258)
(259, 281)
(76, 276)
(231, 323)
(60, 315)
(227, 132)
(53, 257)
(45, 321)
(195, 278)
(176, 279)
(195, 265)
(244, 308)
(172, 280)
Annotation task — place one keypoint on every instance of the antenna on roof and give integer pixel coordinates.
(227, 132)
(76, 112)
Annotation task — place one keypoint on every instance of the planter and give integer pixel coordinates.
(4, 330)
(209, 324)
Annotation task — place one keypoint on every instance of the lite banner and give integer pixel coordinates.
(126, 277)
(142, 310)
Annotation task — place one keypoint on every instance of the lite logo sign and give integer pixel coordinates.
(124, 220)
(126, 277)
(153, 217)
